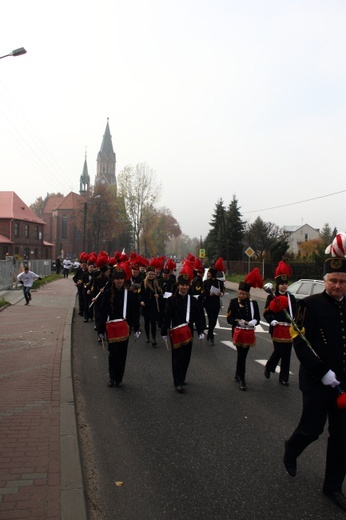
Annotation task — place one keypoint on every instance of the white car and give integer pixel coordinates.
(305, 287)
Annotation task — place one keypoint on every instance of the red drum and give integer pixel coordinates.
(180, 335)
(244, 337)
(281, 332)
(117, 330)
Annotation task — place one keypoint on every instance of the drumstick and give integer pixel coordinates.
(98, 294)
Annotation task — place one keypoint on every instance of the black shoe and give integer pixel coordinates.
(154, 344)
(266, 373)
(111, 383)
(179, 389)
(242, 384)
(27, 303)
(284, 383)
(147, 340)
(290, 463)
(212, 344)
(237, 378)
(80, 314)
(337, 497)
(118, 385)
(99, 339)
(86, 321)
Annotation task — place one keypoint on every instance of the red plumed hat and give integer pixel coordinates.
(123, 257)
(219, 264)
(171, 265)
(102, 259)
(92, 258)
(140, 261)
(117, 255)
(156, 262)
(282, 272)
(254, 278)
(186, 271)
(126, 267)
(198, 266)
(84, 257)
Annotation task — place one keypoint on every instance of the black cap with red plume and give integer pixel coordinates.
(282, 272)
(253, 279)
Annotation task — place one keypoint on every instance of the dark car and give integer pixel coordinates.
(305, 287)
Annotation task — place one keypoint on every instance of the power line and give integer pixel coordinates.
(298, 202)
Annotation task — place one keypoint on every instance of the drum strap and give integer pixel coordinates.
(251, 310)
(125, 304)
(187, 309)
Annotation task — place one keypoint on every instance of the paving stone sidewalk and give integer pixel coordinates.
(40, 470)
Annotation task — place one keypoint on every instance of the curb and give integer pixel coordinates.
(73, 501)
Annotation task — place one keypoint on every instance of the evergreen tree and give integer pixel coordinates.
(215, 242)
(235, 231)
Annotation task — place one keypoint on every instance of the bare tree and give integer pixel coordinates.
(140, 191)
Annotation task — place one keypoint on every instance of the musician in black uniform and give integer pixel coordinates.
(100, 283)
(168, 286)
(323, 319)
(118, 304)
(243, 314)
(78, 281)
(213, 292)
(181, 308)
(279, 326)
(149, 300)
(197, 291)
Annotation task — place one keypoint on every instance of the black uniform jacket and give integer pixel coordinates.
(175, 314)
(113, 306)
(324, 321)
(241, 310)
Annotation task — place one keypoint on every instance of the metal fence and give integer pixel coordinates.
(267, 270)
(9, 270)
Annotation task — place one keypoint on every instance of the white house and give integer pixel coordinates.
(295, 235)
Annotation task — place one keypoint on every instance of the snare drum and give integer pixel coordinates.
(281, 332)
(117, 330)
(244, 337)
(180, 335)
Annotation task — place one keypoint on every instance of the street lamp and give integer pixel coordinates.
(16, 52)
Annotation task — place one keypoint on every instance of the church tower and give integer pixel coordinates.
(106, 160)
(84, 181)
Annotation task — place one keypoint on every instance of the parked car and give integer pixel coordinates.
(305, 287)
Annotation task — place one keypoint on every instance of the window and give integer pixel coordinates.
(16, 250)
(36, 232)
(16, 230)
(64, 227)
(26, 253)
(26, 231)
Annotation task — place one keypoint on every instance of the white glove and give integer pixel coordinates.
(274, 323)
(241, 323)
(137, 334)
(201, 336)
(329, 379)
(164, 338)
(252, 323)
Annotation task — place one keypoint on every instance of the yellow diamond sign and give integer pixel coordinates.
(249, 252)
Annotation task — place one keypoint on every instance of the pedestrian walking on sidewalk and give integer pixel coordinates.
(27, 278)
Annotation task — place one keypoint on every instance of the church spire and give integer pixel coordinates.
(106, 160)
(84, 178)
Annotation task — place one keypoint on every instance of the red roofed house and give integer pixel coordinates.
(21, 231)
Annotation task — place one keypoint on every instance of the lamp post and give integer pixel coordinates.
(16, 52)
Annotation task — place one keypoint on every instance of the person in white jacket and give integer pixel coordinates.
(27, 278)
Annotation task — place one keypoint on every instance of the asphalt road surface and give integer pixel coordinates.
(212, 453)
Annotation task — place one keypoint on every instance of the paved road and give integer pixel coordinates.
(214, 453)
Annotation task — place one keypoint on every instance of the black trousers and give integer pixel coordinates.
(212, 310)
(242, 353)
(180, 362)
(281, 351)
(117, 353)
(314, 416)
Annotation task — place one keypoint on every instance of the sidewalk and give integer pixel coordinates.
(40, 467)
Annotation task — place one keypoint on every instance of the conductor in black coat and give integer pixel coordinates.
(323, 317)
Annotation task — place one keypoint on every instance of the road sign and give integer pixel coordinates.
(202, 253)
(249, 252)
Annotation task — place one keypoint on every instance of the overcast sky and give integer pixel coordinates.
(218, 97)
